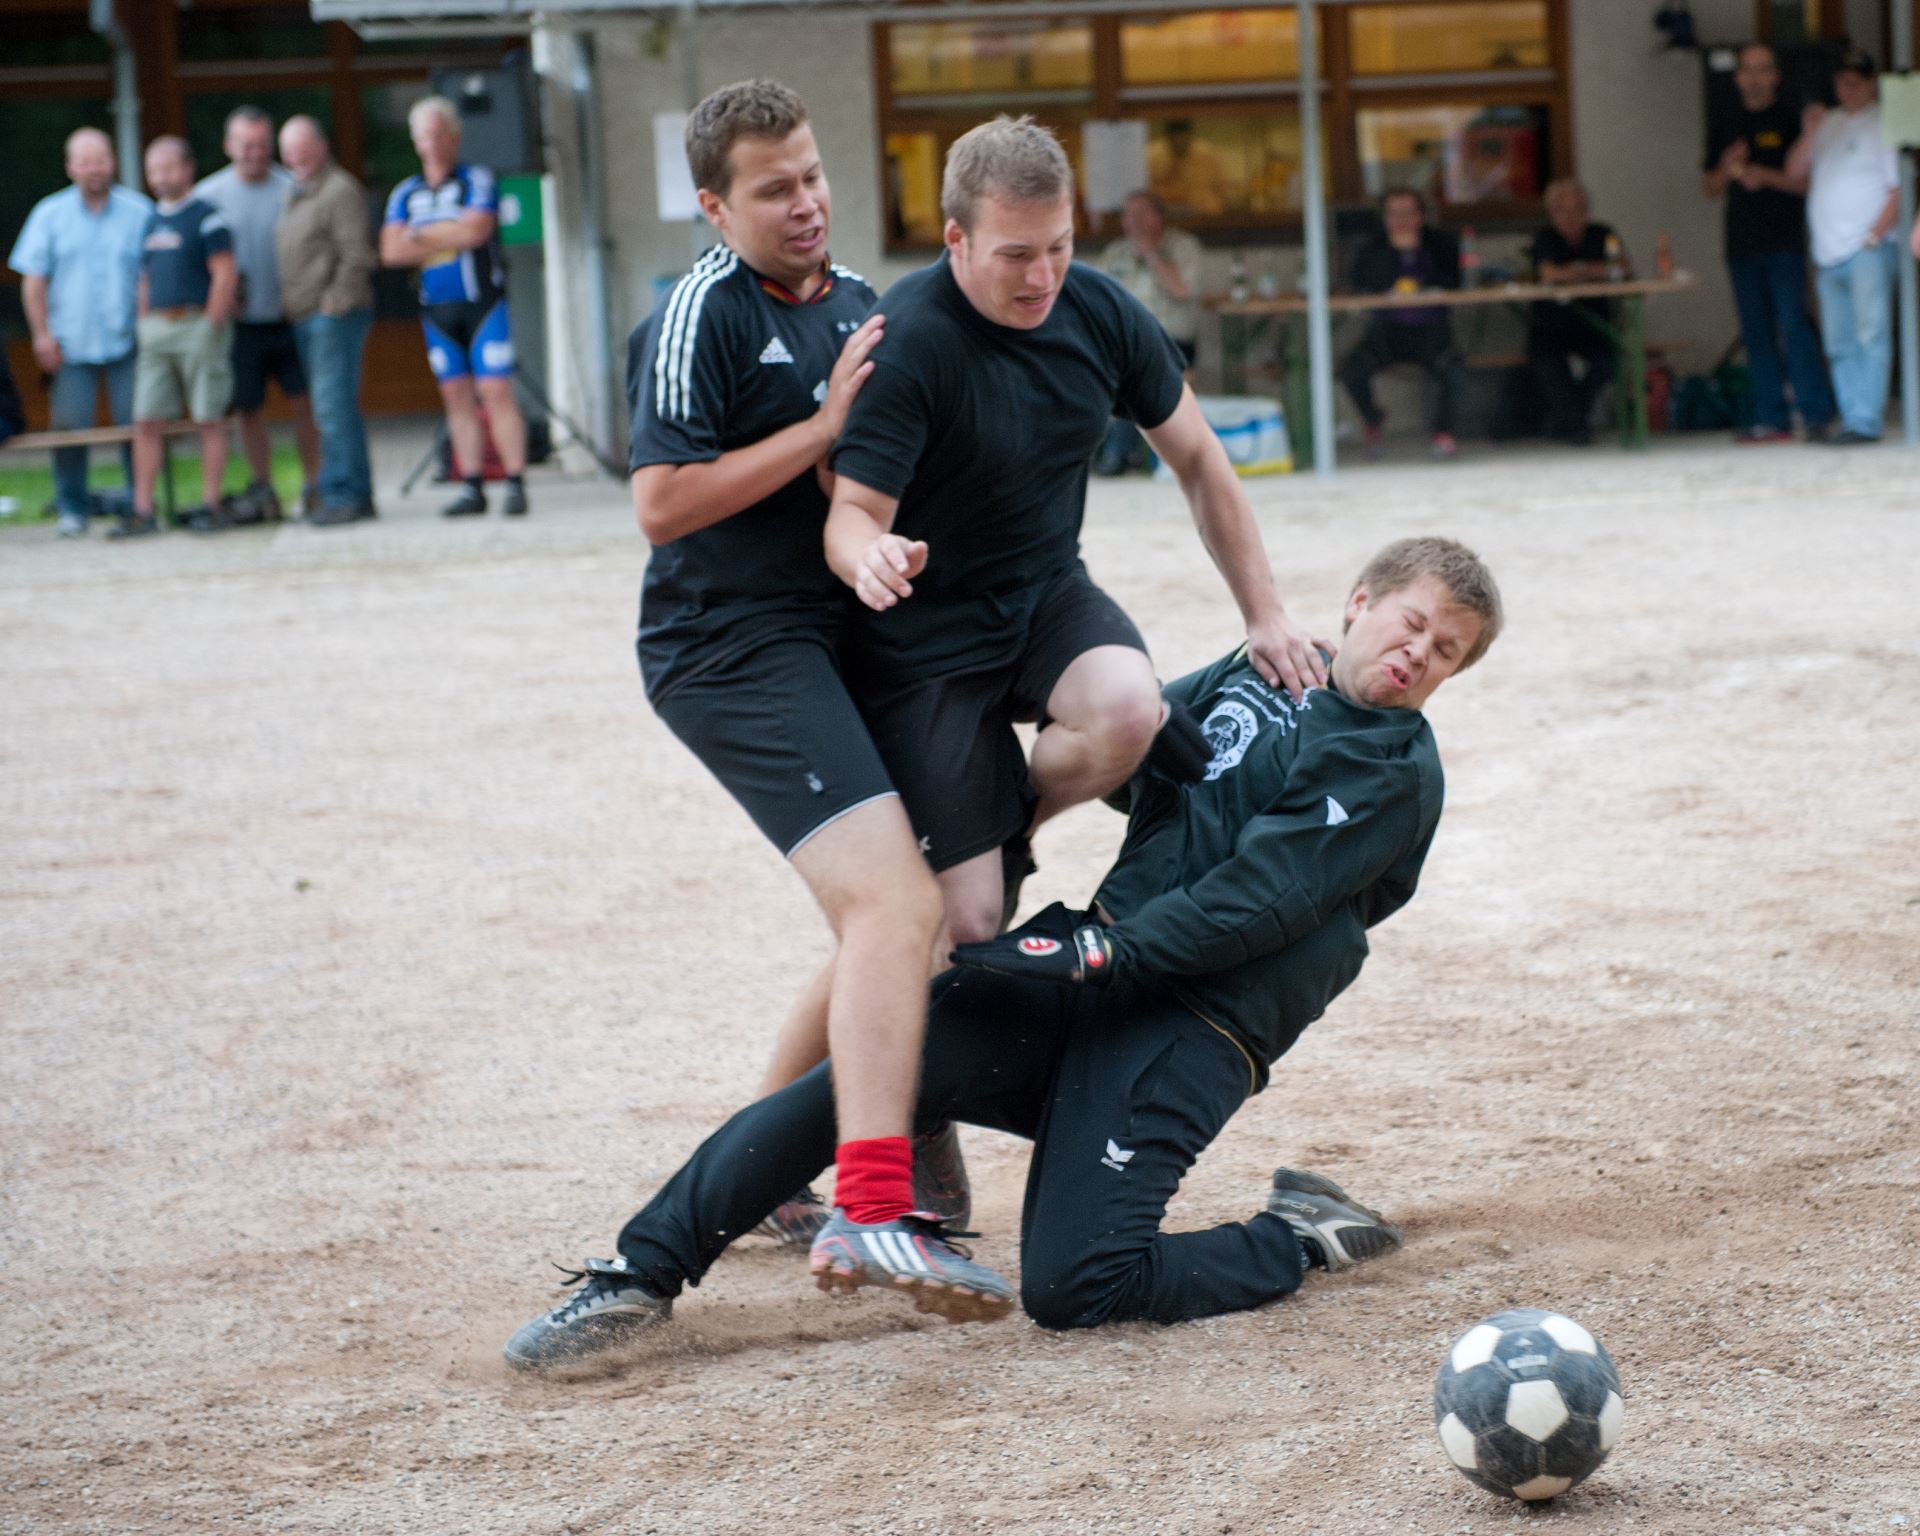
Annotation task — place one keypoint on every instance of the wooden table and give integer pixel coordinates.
(1241, 318)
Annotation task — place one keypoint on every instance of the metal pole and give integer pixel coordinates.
(1909, 287)
(102, 18)
(600, 411)
(1313, 197)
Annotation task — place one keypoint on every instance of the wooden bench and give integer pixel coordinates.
(107, 437)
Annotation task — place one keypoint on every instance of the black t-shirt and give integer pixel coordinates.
(1765, 220)
(1551, 248)
(984, 433)
(728, 358)
(179, 241)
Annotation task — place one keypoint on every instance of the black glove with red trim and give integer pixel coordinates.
(1087, 956)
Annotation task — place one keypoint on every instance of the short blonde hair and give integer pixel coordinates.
(1455, 567)
(433, 106)
(1012, 158)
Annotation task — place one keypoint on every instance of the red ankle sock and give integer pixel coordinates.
(873, 1180)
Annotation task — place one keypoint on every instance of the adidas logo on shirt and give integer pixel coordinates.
(776, 351)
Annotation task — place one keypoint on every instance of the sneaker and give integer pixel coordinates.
(212, 519)
(1372, 441)
(469, 503)
(366, 511)
(1848, 438)
(1758, 436)
(514, 504)
(133, 526)
(914, 1253)
(608, 1310)
(72, 525)
(940, 1184)
(796, 1221)
(258, 503)
(333, 514)
(1335, 1230)
(1444, 447)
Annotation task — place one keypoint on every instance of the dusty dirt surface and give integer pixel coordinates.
(368, 944)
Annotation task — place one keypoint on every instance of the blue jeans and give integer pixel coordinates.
(331, 349)
(1770, 291)
(1856, 323)
(76, 388)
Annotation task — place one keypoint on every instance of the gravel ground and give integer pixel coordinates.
(368, 944)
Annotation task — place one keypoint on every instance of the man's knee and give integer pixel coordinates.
(1080, 1293)
(1118, 708)
(971, 919)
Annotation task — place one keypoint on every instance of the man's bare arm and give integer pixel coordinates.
(673, 500)
(1285, 654)
(224, 289)
(864, 551)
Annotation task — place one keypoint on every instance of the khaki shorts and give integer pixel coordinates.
(183, 367)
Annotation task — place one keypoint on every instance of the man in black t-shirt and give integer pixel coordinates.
(738, 383)
(1408, 256)
(1572, 249)
(1767, 251)
(960, 485)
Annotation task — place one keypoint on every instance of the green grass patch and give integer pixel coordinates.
(30, 484)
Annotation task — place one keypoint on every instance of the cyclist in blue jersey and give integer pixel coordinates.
(445, 222)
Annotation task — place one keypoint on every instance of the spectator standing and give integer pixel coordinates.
(78, 257)
(1160, 267)
(326, 286)
(1853, 196)
(1408, 256)
(251, 194)
(1766, 243)
(445, 222)
(1571, 249)
(183, 365)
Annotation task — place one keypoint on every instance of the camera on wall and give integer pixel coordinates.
(1674, 22)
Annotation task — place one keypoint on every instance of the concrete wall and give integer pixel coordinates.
(1637, 124)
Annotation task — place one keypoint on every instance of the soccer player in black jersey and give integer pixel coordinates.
(960, 486)
(738, 384)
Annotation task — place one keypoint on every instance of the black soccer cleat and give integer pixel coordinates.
(609, 1309)
(514, 503)
(1334, 1229)
(469, 503)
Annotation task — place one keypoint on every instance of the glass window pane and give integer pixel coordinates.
(64, 38)
(1207, 47)
(1454, 154)
(1445, 39)
(1006, 60)
(1246, 163)
(258, 32)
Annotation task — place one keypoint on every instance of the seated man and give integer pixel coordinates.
(1408, 256)
(1571, 249)
(1121, 1039)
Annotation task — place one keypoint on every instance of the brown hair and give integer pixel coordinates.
(1457, 568)
(747, 109)
(1012, 158)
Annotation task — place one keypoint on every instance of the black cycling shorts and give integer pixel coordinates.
(949, 745)
(776, 727)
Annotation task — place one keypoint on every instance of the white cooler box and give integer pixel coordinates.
(1254, 431)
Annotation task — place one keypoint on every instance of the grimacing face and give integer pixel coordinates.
(778, 209)
(1402, 645)
(1012, 263)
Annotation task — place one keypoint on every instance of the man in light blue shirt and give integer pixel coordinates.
(79, 261)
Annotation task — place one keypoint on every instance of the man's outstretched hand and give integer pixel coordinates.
(1087, 957)
(1287, 655)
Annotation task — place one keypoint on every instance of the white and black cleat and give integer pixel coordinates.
(1334, 1229)
(610, 1308)
(915, 1254)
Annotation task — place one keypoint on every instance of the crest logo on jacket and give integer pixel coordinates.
(1229, 730)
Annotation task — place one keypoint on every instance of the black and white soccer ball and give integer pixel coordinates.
(1527, 1404)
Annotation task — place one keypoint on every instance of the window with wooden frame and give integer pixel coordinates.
(1466, 102)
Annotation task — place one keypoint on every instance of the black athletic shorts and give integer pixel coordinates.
(776, 727)
(949, 744)
(263, 350)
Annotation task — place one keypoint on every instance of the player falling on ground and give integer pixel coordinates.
(738, 384)
(1122, 1038)
(446, 222)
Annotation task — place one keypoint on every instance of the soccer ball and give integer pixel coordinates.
(1527, 1404)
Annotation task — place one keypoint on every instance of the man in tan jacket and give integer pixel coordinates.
(326, 264)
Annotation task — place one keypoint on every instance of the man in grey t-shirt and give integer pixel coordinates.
(251, 194)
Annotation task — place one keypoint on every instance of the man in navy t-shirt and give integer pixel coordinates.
(183, 366)
(445, 222)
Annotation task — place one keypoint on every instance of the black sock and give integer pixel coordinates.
(477, 485)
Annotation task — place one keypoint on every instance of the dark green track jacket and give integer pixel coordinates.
(1249, 895)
